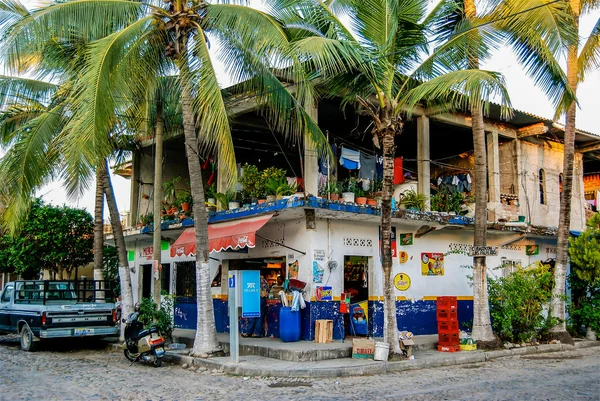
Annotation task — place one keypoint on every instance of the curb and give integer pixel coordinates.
(374, 368)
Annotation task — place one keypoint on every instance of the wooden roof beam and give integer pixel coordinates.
(588, 148)
(531, 130)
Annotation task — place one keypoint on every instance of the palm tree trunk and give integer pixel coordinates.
(158, 195)
(390, 334)
(206, 333)
(124, 272)
(99, 230)
(482, 326)
(557, 304)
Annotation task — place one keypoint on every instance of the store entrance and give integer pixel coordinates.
(356, 284)
(272, 269)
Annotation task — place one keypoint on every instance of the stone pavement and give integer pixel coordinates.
(253, 365)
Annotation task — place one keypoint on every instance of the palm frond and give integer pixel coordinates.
(16, 90)
(589, 58)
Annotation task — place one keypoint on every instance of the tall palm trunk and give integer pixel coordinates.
(390, 334)
(99, 229)
(158, 195)
(206, 333)
(124, 275)
(482, 327)
(557, 304)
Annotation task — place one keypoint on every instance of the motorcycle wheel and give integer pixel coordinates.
(157, 362)
(129, 356)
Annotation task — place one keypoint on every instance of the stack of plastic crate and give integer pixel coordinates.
(447, 320)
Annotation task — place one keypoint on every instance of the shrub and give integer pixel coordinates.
(162, 317)
(517, 301)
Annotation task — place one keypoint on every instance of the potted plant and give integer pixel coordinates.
(360, 197)
(413, 200)
(184, 198)
(333, 191)
(169, 190)
(351, 185)
(147, 219)
(210, 195)
(253, 185)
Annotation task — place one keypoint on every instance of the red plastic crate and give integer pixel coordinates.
(447, 327)
(447, 303)
(446, 315)
(448, 348)
(448, 339)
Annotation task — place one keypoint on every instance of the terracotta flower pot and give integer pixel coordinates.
(361, 200)
(260, 201)
(185, 207)
(170, 212)
(372, 202)
(334, 197)
(174, 209)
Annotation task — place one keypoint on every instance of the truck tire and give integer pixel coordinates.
(27, 343)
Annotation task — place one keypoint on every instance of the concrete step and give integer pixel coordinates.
(301, 351)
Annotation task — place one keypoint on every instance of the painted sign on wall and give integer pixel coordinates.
(406, 239)
(432, 264)
(251, 293)
(531, 250)
(402, 281)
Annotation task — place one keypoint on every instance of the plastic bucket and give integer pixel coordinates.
(382, 350)
(348, 197)
(289, 325)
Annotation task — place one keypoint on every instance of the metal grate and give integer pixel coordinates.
(272, 244)
(358, 242)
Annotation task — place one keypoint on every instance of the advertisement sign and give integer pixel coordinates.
(406, 239)
(403, 256)
(251, 293)
(432, 264)
(531, 250)
(324, 293)
(402, 281)
(394, 251)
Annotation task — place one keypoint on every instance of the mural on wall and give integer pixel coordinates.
(531, 250)
(432, 264)
(359, 318)
(402, 281)
(394, 249)
(406, 239)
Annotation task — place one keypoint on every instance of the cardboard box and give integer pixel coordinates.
(363, 348)
(407, 347)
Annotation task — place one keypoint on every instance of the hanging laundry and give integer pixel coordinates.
(398, 171)
(350, 159)
(324, 162)
(367, 167)
(379, 167)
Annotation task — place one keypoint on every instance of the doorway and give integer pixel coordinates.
(356, 277)
(146, 281)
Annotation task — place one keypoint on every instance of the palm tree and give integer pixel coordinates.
(580, 62)
(145, 41)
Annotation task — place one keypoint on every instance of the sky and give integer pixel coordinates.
(523, 93)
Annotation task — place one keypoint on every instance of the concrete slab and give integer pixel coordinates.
(301, 351)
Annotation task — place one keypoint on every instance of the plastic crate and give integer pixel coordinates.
(448, 339)
(446, 315)
(447, 303)
(468, 347)
(447, 327)
(448, 348)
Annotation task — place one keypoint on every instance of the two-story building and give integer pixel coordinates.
(333, 246)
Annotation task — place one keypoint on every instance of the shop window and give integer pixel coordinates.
(542, 176)
(186, 279)
(216, 282)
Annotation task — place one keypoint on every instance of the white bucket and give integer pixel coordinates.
(234, 205)
(348, 197)
(382, 351)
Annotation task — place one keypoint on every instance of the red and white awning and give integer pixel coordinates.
(233, 235)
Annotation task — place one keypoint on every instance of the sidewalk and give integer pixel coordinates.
(253, 365)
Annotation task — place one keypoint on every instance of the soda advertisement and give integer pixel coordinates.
(432, 264)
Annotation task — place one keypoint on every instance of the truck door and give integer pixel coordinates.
(4, 308)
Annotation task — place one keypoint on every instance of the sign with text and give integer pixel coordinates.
(484, 251)
(251, 293)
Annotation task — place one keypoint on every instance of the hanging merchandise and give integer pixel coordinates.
(398, 171)
(350, 159)
(367, 166)
(324, 165)
(379, 167)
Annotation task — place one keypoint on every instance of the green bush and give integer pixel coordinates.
(517, 300)
(162, 317)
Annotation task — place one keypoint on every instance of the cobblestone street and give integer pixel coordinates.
(86, 372)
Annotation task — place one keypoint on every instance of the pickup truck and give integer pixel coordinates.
(38, 310)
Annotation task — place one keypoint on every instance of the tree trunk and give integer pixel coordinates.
(124, 272)
(158, 195)
(557, 304)
(206, 333)
(390, 334)
(99, 230)
(482, 327)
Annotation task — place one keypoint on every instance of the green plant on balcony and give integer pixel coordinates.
(447, 201)
(169, 191)
(278, 186)
(253, 185)
(184, 200)
(147, 219)
(413, 200)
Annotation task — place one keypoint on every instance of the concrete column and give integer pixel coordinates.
(493, 159)
(134, 200)
(311, 158)
(423, 158)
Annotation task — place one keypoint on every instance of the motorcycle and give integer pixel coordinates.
(142, 344)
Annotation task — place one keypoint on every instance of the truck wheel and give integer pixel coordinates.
(27, 343)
